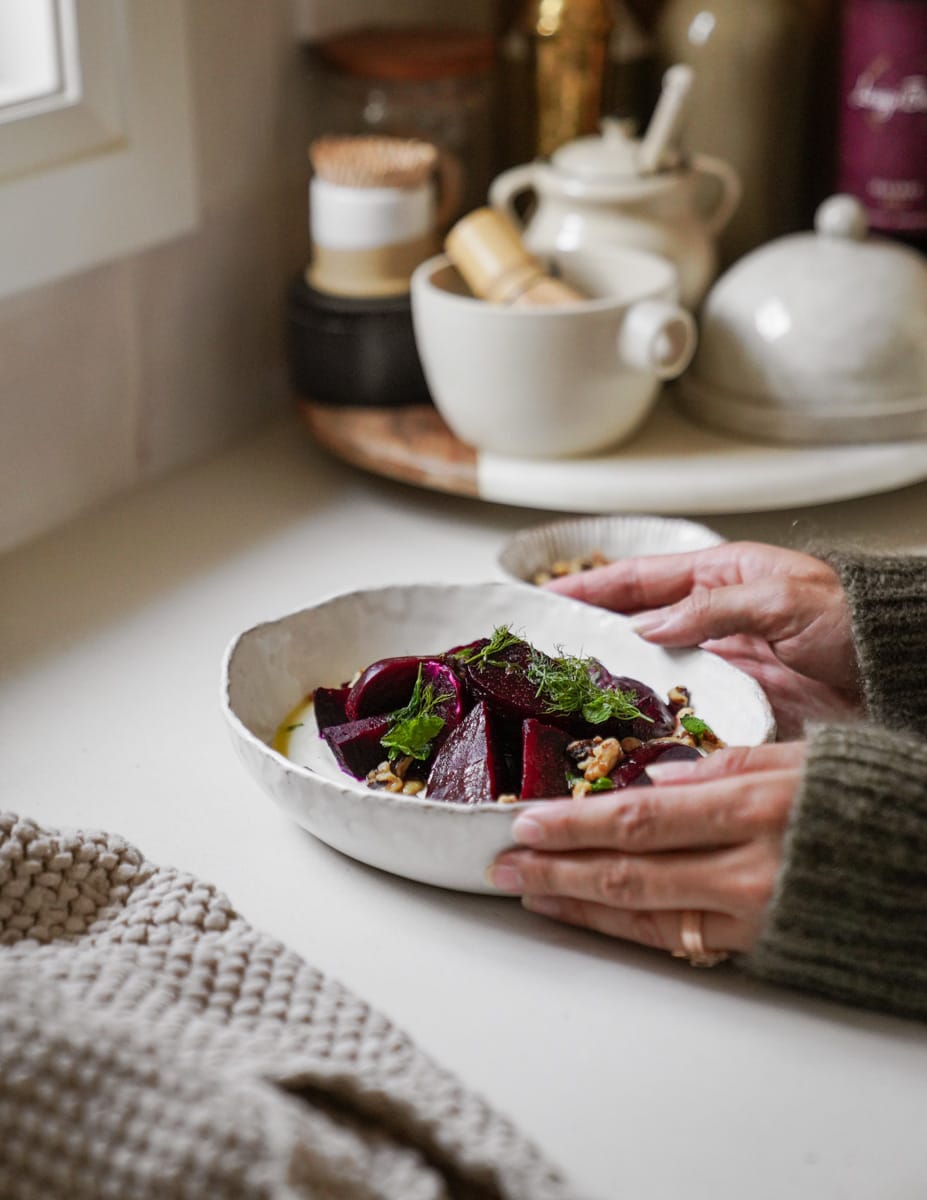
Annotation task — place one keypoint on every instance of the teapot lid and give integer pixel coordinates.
(609, 157)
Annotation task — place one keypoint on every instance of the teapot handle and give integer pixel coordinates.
(729, 195)
(506, 187)
(658, 337)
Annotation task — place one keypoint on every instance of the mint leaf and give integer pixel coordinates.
(696, 726)
(413, 728)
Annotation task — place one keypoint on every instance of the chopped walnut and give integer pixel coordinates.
(507, 798)
(630, 743)
(678, 695)
(390, 777)
(569, 566)
(603, 760)
(581, 788)
(597, 757)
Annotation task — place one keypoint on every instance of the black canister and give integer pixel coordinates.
(347, 351)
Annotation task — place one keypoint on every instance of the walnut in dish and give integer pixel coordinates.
(569, 566)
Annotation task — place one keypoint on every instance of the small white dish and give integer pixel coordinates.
(269, 669)
(539, 548)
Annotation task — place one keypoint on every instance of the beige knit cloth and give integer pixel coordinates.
(153, 1045)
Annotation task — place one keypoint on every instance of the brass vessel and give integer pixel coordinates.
(570, 51)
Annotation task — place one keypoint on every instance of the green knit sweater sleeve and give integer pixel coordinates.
(849, 916)
(888, 607)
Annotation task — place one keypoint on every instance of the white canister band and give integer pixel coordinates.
(362, 218)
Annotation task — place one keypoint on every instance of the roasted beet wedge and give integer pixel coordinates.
(329, 704)
(662, 720)
(544, 761)
(383, 687)
(356, 744)
(387, 686)
(633, 770)
(468, 769)
(507, 689)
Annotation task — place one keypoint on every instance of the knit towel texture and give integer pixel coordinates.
(153, 1044)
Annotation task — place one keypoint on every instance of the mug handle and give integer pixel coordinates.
(729, 195)
(658, 337)
(506, 187)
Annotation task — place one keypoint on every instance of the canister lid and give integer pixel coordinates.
(412, 54)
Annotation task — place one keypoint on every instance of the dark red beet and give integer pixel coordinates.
(387, 686)
(662, 720)
(632, 771)
(383, 687)
(329, 706)
(468, 769)
(446, 682)
(544, 761)
(508, 691)
(356, 744)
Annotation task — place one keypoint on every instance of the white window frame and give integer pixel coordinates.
(109, 170)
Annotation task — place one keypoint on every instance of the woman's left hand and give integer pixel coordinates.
(706, 838)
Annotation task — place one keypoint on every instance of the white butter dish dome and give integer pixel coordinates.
(816, 337)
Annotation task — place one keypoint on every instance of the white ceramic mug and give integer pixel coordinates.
(553, 381)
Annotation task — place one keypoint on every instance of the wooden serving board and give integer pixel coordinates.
(671, 465)
(410, 443)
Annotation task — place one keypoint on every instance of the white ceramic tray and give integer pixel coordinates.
(672, 466)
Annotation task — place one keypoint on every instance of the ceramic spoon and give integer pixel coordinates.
(666, 122)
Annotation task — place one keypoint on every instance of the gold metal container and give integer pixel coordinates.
(566, 42)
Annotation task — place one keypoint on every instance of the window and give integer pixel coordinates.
(37, 61)
(95, 133)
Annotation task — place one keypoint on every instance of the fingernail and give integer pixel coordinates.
(527, 831)
(546, 906)
(506, 879)
(645, 623)
(663, 771)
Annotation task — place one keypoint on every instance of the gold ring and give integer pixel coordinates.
(693, 947)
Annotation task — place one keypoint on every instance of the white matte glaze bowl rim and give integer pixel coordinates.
(356, 788)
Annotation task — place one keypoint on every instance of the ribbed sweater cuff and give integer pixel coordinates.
(849, 916)
(888, 607)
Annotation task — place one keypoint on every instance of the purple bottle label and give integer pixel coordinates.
(883, 129)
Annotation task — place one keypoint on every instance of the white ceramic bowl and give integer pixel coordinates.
(553, 381)
(268, 669)
(536, 549)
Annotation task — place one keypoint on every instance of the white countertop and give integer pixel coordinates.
(642, 1078)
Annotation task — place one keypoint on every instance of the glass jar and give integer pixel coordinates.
(428, 83)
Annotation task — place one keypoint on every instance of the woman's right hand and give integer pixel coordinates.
(780, 615)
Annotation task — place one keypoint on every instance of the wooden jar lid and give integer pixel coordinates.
(410, 54)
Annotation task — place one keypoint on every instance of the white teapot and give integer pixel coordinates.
(595, 190)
